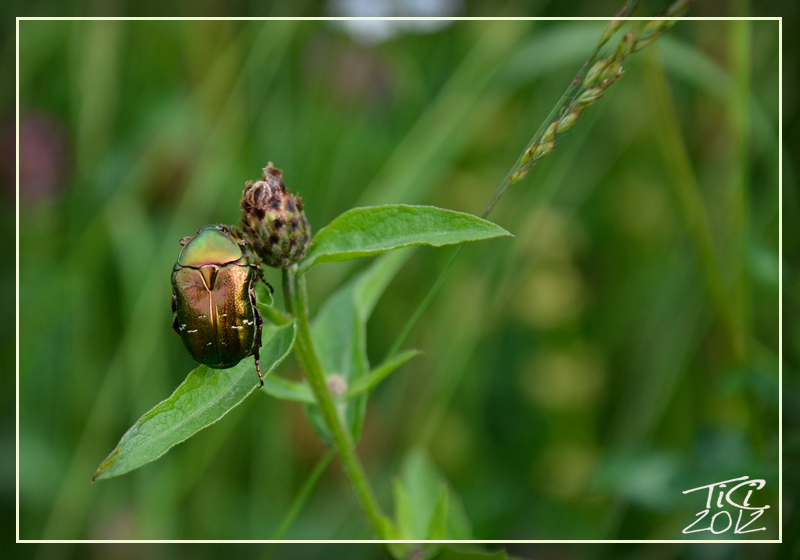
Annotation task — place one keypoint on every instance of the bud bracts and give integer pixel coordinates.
(273, 220)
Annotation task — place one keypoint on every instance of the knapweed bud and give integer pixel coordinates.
(273, 220)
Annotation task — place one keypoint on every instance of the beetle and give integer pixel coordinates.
(214, 301)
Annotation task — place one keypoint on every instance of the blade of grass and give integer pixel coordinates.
(690, 202)
(739, 46)
(435, 136)
(566, 112)
(302, 496)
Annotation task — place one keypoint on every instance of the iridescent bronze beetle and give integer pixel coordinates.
(214, 301)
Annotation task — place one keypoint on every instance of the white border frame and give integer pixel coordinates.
(374, 541)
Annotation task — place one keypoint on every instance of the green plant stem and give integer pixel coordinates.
(294, 287)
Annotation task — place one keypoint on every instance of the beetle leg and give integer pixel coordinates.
(258, 368)
(175, 326)
(259, 322)
(260, 273)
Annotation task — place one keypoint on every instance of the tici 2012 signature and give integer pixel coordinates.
(722, 520)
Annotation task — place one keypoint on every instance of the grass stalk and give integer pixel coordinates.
(589, 84)
(738, 113)
(691, 205)
(301, 498)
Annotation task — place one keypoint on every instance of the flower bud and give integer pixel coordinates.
(273, 220)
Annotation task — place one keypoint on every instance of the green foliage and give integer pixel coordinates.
(450, 553)
(379, 373)
(203, 398)
(362, 232)
(281, 388)
(340, 336)
(263, 296)
(425, 507)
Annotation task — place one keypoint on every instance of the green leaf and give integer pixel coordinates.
(377, 375)
(339, 331)
(362, 232)
(449, 553)
(438, 527)
(459, 527)
(436, 512)
(286, 390)
(318, 423)
(203, 398)
(263, 294)
(403, 512)
(264, 303)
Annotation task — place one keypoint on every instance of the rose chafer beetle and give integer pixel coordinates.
(214, 301)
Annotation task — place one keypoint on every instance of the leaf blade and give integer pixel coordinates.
(286, 390)
(202, 399)
(375, 376)
(361, 232)
(437, 529)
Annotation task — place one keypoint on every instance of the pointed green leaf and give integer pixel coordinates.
(203, 398)
(318, 423)
(263, 294)
(449, 553)
(369, 381)
(362, 232)
(436, 511)
(437, 531)
(459, 527)
(339, 331)
(403, 513)
(422, 482)
(286, 390)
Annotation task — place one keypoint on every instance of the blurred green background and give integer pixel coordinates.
(576, 379)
